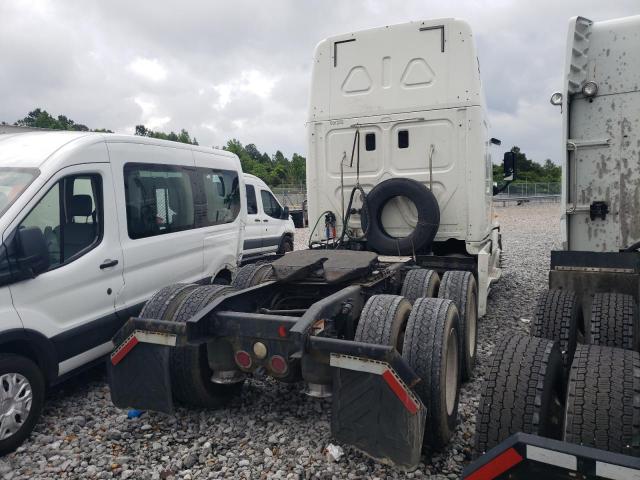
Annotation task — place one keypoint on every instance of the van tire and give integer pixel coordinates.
(10, 363)
(461, 287)
(189, 366)
(383, 320)
(558, 317)
(428, 217)
(603, 399)
(431, 350)
(251, 275)
(420, 282)
(614, 321)
(286, 245)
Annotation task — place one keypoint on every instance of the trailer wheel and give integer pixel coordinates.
(419, 283)
(462, 289)
(559, 317)
(190, 372)
(163, 301)
(251, 275)
(383, 321)
(431, 349)
(613, 321)
(523, 392)
(603, 399)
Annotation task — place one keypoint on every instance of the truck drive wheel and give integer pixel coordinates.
(163, 300)
(523, 392)
(251, 275)
(383, 320)
(431, 349)
(461, 288)
(559, 317)
(614, 320)
(419, 283)
(603, 399)
(21, 399)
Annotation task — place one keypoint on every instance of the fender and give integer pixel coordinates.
(43, 349)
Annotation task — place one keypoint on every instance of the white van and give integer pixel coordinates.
(269, 227)
(92, 225)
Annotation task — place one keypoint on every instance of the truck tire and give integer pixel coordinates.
(559, 317)
(614, 321)
(431, 350)
(462, 289)
(419, 283)
(251, 275)
(428, 217)
(523, 392)
(383, 320)
(603, 399)
(190, 372)
(19, 378)
(163, 300)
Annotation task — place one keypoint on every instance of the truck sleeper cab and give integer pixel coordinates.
(92, 225)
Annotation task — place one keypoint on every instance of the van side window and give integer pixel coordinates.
(222, 194)
(403, 138)
(70, 217)
(159, 199)
(270, 204)
(370, 142)
(252, 201)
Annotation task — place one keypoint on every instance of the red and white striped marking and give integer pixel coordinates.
(141, 336)
(401, 390)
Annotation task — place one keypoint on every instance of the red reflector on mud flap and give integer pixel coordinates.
(125, 348)
(503, 462)
(400, 392)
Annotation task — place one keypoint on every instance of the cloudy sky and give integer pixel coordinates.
(224, 69)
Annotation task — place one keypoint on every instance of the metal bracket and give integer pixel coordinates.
(598, 210)
(573, 144)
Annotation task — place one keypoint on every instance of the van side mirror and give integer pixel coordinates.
(509, 166)
(285, 213)
(32, 252)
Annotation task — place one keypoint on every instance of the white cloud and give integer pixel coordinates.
(250, 81)
(150, 69)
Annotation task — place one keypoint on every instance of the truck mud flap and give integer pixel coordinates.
(139, 376)
(376, 412)
(524, 456)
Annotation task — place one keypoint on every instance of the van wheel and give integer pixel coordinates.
(251, 275)
(286, 245)
(431, 350)
(190, 372)
(419, 283)
(21, 400)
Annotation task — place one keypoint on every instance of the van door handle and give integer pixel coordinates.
(265, 220)
(108, 263)
(257, 220)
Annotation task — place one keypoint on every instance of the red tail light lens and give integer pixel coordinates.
(243, 359)
(279, 365)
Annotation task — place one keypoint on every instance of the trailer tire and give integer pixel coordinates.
(419, 283)
(559, 317)
(603, 399)
(383, 321)
(461, 287)
(428, 217)
(431, 350)
(251, 275)
(523, 392)
(189, 367)
(614, 321)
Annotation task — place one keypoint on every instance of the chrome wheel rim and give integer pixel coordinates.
(16, 396)
(451, 371)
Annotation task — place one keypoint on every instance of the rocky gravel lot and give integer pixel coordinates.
(272, 430)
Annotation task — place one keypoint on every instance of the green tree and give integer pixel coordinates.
(182, 137)
(528, 170)
(39, 118)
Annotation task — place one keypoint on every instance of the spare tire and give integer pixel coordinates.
(428, 217)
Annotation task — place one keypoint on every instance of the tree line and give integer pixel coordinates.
(277, 169)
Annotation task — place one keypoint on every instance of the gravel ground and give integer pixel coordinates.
(266, 432)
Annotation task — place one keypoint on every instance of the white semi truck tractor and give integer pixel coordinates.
(572, 388)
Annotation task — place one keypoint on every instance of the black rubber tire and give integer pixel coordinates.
(559, 317)
(163, 300)
(190, 372)
(10, 363)
(286, 245)
(419, 283)
(383, 321)
(523, 392)
(251, 275)
(614, 320)
(603, 399)
(428, 217)
(462, 289)
(426, 344)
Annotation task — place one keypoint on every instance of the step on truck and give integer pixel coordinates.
(572, 388)
(380, 313)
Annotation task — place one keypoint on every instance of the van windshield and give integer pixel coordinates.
(14, 181)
